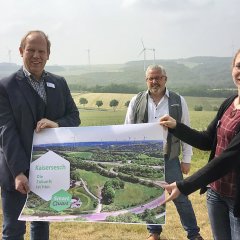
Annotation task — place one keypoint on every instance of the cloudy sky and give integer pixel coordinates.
(113, 29)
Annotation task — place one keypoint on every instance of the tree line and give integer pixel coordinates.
(193, 91)
(113, 103)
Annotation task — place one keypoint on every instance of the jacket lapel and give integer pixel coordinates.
(27, 92)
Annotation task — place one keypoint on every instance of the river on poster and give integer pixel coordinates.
(97, 174)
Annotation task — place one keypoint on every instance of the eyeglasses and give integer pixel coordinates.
(157, 79)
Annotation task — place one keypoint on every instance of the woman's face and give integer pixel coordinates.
(236, 71)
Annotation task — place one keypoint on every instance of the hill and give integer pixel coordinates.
(214, 72)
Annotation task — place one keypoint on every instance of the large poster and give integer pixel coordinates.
(101, 173)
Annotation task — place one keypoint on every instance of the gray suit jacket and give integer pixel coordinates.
(18, 119)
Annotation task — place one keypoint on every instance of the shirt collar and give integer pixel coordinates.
(166, 93)
(29, 75)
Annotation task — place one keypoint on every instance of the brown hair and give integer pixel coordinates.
(23, 41)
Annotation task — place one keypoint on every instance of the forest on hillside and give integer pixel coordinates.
(196, 76)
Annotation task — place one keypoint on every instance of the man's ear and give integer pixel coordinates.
(21, 51)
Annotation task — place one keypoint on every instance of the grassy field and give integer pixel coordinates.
(107, 231)
(130, 193)
(94, 180)
(206, 102)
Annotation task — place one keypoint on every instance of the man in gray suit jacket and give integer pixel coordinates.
(30, 99)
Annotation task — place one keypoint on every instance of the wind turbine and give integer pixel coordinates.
(154, 57)
(144, 54)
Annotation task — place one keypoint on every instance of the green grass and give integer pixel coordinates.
(79, 155)
(107, 116)
(99, 118)
(207, 102)
(199, 159)
(122, 198)
(94, 180)
(200, 120)
(127, 197)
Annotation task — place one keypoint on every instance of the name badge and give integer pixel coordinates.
(51, 85)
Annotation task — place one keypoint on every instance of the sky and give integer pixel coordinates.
(112, 31)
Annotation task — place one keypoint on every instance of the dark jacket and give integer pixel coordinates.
(19, 114)
(217, 167)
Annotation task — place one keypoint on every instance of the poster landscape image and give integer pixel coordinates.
(117, 180)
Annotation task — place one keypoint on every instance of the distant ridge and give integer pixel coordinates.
(200, 70)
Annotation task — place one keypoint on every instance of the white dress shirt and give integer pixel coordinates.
(154, 114)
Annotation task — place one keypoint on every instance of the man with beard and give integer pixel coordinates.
(148, 107)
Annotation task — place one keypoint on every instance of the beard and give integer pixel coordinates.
(155, 88)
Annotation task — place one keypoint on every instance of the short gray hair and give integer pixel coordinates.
(156, 67)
